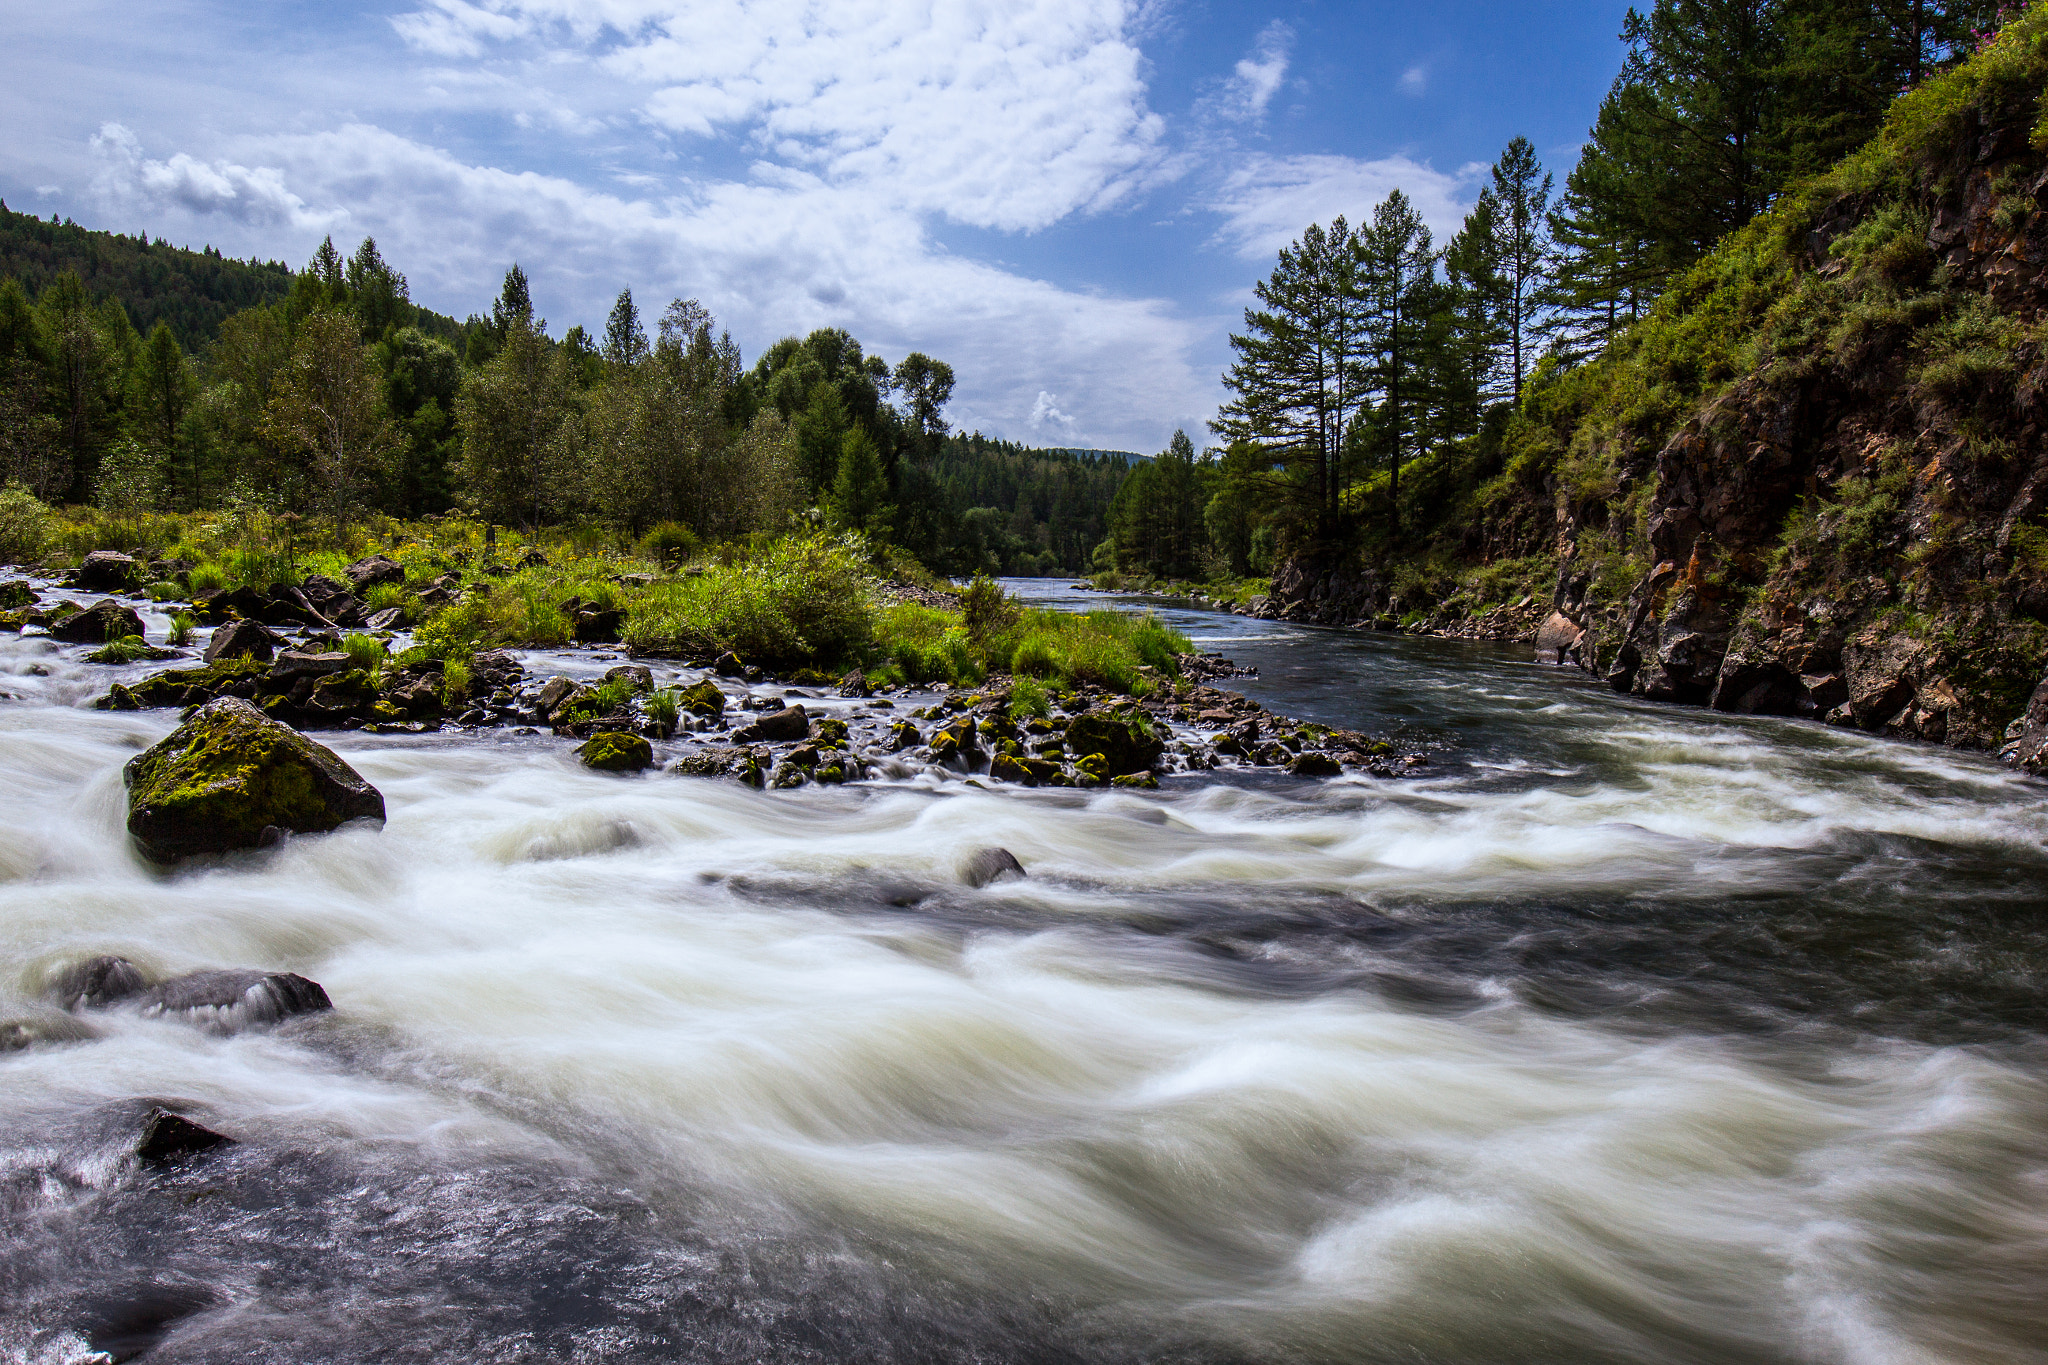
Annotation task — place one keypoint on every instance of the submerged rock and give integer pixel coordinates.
(231, 777)
(167, 1137)
(702, 698)
(1126, 746)
(990, 865)
(230, 1001)
(98, 981)
(615, 751)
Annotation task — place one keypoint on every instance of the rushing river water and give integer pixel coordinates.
(1630, 1033)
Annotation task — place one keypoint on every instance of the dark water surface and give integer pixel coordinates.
(1630, 1033)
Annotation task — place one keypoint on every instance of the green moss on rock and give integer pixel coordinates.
(615, 751)
(230, 777)
(184, 686)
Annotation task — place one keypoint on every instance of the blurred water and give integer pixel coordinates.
(1631, 1033)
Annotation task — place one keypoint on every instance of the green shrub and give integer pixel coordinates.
(164, 592)
(454, 681)
(664, 708)
(384, 596)
(182, 626)
(455, 632)
(24, 525)
(1034, 658)
(986, 610)
(1028, 698)
(366, 652)
(797, 601)
(207, 577)
(670, 542)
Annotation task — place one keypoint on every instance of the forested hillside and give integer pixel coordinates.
(191, 291)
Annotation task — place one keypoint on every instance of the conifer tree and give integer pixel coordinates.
(1299, 376)
(1396, 277)
(625, 343)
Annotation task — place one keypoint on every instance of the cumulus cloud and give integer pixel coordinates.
(253, 195)
(776, 255)
(1259, 74)
(1005, 114)
(1046, 413)
(1267, 201)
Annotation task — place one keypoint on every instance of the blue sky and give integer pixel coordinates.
(1067, 199)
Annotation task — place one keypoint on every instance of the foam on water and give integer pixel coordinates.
(1241, 1071)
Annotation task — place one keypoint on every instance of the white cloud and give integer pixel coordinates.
(1005, 114)
(1046, 412)
(1267, 202)
(784, 253)
(1414, 81)
(249, 195)
(1258, 76)
(452, 28)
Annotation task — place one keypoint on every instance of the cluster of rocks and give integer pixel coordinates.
(1089, 739)
(315, 685)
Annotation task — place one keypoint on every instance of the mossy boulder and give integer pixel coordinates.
(615, 751)
(17, 592)
(1309, 763)
(231, 777)
(102, 623)
(702, 698)
(1126, 744)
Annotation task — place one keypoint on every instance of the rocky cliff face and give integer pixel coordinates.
(1852, 536)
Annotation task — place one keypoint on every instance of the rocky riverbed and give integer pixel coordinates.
(283, 651)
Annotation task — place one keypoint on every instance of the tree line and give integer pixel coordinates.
(1375, 378)
(332, 393)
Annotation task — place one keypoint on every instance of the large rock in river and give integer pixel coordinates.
(230, 777)
(108, 571)
(101, 623)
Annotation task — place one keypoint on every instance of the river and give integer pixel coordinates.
(1626, 1033)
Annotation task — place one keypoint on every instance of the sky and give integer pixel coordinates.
(1067, 200)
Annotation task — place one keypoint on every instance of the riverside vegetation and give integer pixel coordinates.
(419, 637)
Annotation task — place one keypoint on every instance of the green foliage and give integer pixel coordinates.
(384, 596)
(125, 650)
(183, 624)
(987, 610)
(367, 653)
(24, 525)
(669, 542)
(1028, 698)
(798, 600)
(455, 632)
(664, 708)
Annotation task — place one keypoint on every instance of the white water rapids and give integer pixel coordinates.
(1629, 1034)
